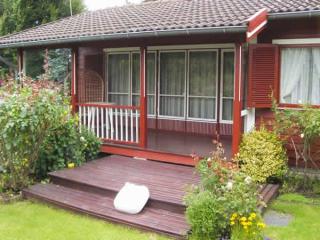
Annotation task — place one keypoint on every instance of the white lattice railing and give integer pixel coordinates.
(111, 122)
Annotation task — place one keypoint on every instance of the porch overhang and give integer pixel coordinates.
(127, 36)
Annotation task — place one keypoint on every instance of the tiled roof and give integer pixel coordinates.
(153, 17)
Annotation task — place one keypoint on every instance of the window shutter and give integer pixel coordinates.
(263, 75)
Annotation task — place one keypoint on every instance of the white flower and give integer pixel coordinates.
(82, 139)
(209, 160)
(299, 101)
(248, 180)
(302, 135)
(229, 185)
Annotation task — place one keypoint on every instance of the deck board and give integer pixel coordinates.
(166, 182)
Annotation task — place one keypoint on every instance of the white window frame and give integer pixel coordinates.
(168, 95)
(221, 86)
(208, 97)
(131, 94)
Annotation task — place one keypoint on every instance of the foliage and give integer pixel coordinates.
(17, 15)
(247, 227)
(303, 122)
(305, 218)
(21, 220)
(296, 182)
(223, 190)
(39, 134)
(26, 118)
(262, 155)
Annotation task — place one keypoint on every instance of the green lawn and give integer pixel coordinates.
(34, 221)
(306, 222)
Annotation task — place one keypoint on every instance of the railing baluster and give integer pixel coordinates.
(107, 123)
(116, 123)
(102, 121)
(80, 118)
(131, 125)
(121, 124)
(137, 127)
(126, 125)
(98, 121)
(111, 123)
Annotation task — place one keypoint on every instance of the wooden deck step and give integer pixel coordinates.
(151, 219)
(106, 176)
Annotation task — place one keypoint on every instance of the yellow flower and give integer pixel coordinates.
(261, 225)
(232, 223)
(234, 216)
(245, 227)
(249, 223)
(71, 165)
(243, 219)
(253, 215)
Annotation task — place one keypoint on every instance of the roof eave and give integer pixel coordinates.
(130, 35)
(300, 14)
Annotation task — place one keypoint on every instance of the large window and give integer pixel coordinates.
(202, 84)
(227, 85)
(172, 84)
(124, 79)
(300, 75)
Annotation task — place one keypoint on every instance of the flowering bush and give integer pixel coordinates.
(248, 227)
(223, 190)
(262, 155)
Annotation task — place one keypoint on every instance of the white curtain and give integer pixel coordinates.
(315, 93)
(300, 71)
(172, 83)
(294, 62)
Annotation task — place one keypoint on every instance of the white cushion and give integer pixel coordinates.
(131, 198)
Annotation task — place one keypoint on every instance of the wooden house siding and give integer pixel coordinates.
(286, 29)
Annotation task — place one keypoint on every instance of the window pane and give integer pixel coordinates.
(151, 68)
(151, 71)
(119, 99)
(202, 74)
(118, 73)
(135, 73)
(151, 105)
(202, 108)
(227, 109)
(172, 106)
(300, 81)
(135, 100)
(172, 73)
(228, 74)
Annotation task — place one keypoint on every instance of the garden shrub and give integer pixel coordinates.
(262, 155)
(223, 190)
(26, 118)
(39, 134)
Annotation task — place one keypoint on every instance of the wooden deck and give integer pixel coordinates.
(90, 189)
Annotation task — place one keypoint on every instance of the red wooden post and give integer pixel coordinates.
(237, 101)
(143, 98)
(74, 58)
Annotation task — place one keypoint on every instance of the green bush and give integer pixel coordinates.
(26, 118)
(65, 144)
(262, 155)
(39, 134)
(222, 191)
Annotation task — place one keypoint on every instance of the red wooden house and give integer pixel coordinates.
(161, 79)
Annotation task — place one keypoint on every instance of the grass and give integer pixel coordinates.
(33, 221)
(306, 213)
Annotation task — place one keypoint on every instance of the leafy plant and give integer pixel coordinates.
(26, 118)
(247, 227)
(223, 190)
(262, 155)
(300, 125)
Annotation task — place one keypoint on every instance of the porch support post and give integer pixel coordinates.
(237, 101)
(143, 98)
(74, 60)
(20, 64)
